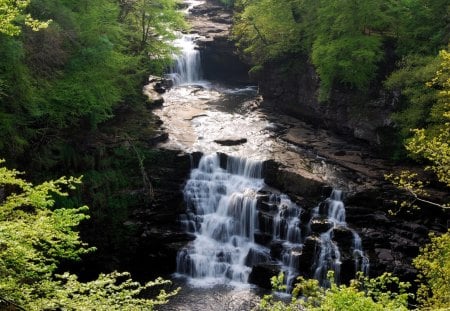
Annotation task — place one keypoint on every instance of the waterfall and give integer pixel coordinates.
(239, 224)
(222, 214)
(330, 254)
(187, 66)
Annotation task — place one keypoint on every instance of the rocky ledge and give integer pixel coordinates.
(212, 23)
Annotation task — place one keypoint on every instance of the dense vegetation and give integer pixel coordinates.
(352, 45)
(66, 68)
(88, 59)
(36, 237)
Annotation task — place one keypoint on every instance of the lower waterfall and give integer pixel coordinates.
(239, 223)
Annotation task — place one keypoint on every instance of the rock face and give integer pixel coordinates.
(262, 273)
(212, 23)
(295, 93)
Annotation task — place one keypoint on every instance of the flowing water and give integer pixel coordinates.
(229, 209)
(187, 68)
(238, 221)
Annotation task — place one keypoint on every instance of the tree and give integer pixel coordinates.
(431, 145)
(153, 23)
(12, 13)
(267, 30)
(363, 294)
(433, 264)
(347, 47)
(34, 238)
(434, 144)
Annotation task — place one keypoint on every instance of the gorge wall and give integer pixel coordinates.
(364, 117)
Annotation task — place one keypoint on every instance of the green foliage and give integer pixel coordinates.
(416, 99)
(431, 144)
(362, 294)
(92, 58)
(347, 48)
(35, 238)
(422, 26)
(12, 12)
(343, 39)
(433, 264)
(350, 60)
(337, 35)
(266, 30)
(227, 3)
(151, 25)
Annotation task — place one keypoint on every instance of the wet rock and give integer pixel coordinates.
(343, 236)
(300, 183)
(158, 138)
(154, 99)
(265, 221)
(262, 273)
(265, 206)
(310, 249)
(321, 224)
(276, 248)
(256, 256)
(262, 238)
(231, 141)
(384, 255)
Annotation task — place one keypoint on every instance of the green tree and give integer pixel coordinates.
(362, 294)
(433, 264)
(266, 30)
(35, 237)
(422, 26)
(416, 100)
(431, 144)
(348, 46)
(152, 24)
(12, 14)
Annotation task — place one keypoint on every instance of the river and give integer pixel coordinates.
(238, 221)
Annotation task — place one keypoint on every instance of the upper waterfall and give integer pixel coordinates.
(187, 65)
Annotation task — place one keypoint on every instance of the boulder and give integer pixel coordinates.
(154, 99)
(311, 248)
(256, 256)
(262, 273)
(320, 224)
(262, 238)
(231, 141)
(343, 236)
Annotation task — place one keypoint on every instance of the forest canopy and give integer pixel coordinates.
(87, 59)
(346, 41)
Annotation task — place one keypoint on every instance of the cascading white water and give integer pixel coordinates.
(226, 210)
(330, 254)
(187, 65)
(222, 214)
